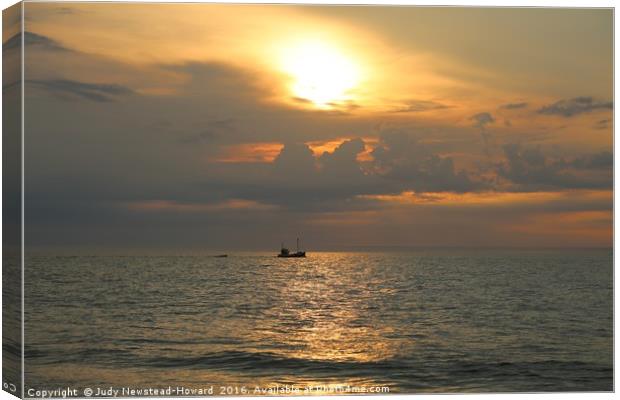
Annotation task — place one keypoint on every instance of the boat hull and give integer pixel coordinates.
(300, 254)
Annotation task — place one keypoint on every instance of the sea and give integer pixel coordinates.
(420, 321)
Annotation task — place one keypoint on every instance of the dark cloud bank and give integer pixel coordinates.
(575, 106)
(531, 169)
(89, 91)
(32, 41)
(514, 106)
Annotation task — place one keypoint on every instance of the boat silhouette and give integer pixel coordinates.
(286, 253)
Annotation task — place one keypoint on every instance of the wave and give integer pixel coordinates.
(405, 373)
(250, 361)
(11, 348)
(261, 361)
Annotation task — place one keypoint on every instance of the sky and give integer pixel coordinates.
(199, 127)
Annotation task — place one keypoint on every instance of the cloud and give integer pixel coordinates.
(602, 123)
(578, 105)
(260, 152)
(176, 207)
(513, 106)
(297, 179)
(402, 158)
(603, 160)
(32, 39)
(342, 107)
(300, 180)
(91, 91)
(482, 119)
(213, 132)
(219, 80)
(413, 106)
(295, 161)
(67, 10)
(50, 12)
(531, 169)
(343, 160)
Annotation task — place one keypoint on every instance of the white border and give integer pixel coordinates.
(475, 3)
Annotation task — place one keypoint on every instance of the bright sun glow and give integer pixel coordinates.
(321, 74)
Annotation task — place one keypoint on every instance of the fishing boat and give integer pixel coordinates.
(286, 253)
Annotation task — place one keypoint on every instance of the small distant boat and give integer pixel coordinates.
(221, 256)
(286, 253)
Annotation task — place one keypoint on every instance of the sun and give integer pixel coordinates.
(320, 74)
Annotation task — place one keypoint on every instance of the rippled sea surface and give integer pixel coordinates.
(426, 321)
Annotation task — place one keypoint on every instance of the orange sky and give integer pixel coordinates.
(361, 124)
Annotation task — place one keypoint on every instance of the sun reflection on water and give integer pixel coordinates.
(325, 315)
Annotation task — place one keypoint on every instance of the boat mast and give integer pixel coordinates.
(298, 245)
